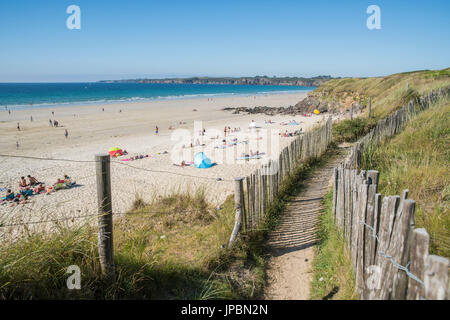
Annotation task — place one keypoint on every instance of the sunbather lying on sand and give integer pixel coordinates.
(32, 180)
(40, 188)
(62, 183)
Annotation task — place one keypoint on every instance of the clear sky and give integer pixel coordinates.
(146, 38)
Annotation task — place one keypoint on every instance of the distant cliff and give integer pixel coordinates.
(258, 80)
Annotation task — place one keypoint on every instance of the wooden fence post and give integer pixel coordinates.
(362, 209)
(418, 255)
(335, 187)
(105, 219)
(238, 196)
(400, 284)
(436, 277)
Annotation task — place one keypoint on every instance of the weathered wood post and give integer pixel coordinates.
(335, 188)
(436, 277)
(105, 219)
(418, 255)
(238, 195)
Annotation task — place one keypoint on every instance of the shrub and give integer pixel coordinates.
(352, 130)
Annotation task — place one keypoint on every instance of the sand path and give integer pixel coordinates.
(291, 244)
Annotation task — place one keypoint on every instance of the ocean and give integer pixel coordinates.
(25, 95)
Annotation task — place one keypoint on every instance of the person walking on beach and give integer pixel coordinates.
(66, 133)
(31, 118)
(156, 130)
(50, 122)
(53, 113)
(18, 126)
(17, 145)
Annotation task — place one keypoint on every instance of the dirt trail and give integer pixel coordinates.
(291, 243)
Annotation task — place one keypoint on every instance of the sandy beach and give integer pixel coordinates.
(132, 127)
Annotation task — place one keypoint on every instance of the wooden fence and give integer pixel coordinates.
(255, 193)
(389, 256)
(392, 124)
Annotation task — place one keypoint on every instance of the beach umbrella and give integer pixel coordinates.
(202, 161)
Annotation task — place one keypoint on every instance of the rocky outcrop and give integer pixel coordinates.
(307, 105)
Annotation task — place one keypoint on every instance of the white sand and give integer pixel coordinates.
(92, 131)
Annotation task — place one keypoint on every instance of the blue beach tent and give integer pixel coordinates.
(202, 161)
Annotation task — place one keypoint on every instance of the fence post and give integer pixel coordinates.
(335, 187)
(370, 107)
(105, 220)
(436, 277)
(238, 195)
(418, 254)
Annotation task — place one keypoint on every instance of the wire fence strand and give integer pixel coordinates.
(391, 259)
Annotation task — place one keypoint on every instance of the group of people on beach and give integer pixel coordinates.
(229, 130)
(34, 187)
(287, 134)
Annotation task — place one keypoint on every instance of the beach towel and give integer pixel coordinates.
(250, 157)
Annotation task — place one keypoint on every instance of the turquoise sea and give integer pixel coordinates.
(24, 95)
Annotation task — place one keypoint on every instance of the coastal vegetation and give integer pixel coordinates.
(167, 249)
(418, 159)
(333, 277)
(387, 93)
(351, 130)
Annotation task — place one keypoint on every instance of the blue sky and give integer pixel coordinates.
(145, 38)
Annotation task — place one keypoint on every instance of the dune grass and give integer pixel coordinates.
(169, 249)
(351, 130)
(388, 93)
(333, 278)
(418, 159)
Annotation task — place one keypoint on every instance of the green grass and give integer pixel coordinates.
(418, 159)
(351, 130)
(163, 250)
(388, 93)
(333, 277)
